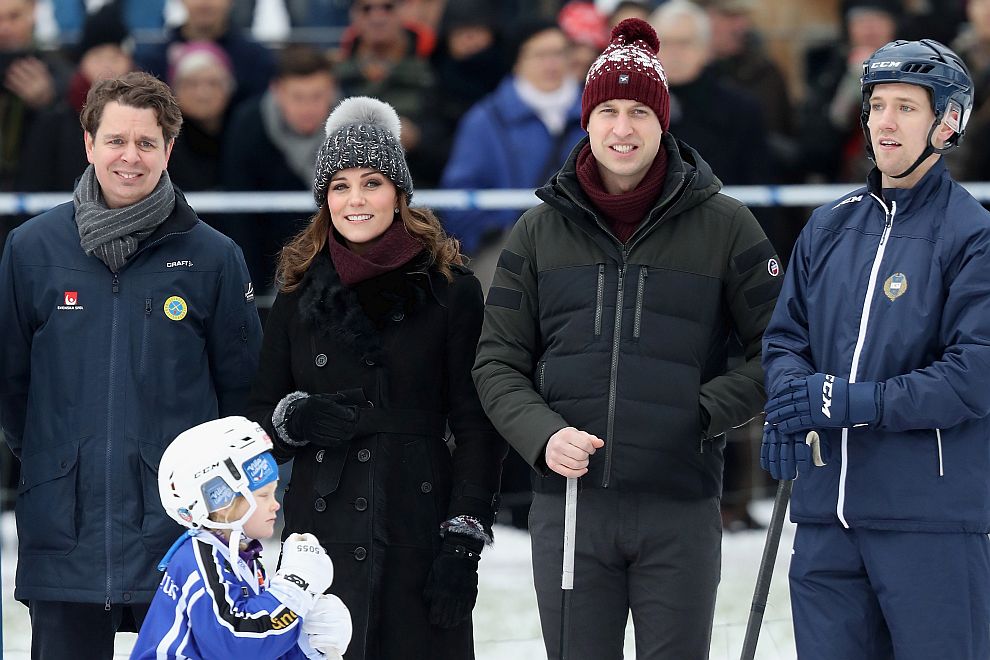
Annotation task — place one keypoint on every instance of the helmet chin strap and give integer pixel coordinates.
(928, 151)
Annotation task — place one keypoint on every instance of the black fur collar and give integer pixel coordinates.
(334, 310)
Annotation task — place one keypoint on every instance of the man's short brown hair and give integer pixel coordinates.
(136, 90)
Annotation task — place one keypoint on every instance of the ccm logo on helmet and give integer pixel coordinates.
(885, 65)
(827, 395)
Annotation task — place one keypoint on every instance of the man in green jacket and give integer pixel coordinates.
(604, 356)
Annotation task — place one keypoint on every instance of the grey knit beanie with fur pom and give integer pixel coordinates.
(362, 132)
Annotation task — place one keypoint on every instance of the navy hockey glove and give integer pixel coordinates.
(824, 401)
(452, 586)
(327, 420)
(786, 455)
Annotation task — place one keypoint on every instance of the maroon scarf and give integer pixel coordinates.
(624, 212)
(393, 249)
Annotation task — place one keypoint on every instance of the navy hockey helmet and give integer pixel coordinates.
(929, 64)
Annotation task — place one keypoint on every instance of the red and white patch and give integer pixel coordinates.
(71, 297)
(773, 268)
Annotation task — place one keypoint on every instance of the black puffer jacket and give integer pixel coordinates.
(630, 342)
(407, 341)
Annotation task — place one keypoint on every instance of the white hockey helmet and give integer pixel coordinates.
(208, 466)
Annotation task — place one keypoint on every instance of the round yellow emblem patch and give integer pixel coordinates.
(176, 308)
(895, 286)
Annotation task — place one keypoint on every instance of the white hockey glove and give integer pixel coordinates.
(305, 572)
(328, 626)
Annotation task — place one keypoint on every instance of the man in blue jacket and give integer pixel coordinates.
(880, 342)
(124, 321)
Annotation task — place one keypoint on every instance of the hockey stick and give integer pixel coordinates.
(567, 575)
(766, 569)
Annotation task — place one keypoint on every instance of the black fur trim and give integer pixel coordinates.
(334, 311)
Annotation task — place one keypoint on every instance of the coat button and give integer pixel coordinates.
(398, 316)
(319, 455)
(364, 455)
(127, 598)
(321, 360)
(360, 553)
(360, 504)
(320, 504)
(369, 362)
(426, 486)
(63, 464)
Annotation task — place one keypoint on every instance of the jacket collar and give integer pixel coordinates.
(909, 200)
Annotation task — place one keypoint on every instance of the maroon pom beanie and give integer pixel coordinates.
(628, 68)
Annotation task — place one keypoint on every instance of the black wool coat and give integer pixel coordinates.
(407, 341)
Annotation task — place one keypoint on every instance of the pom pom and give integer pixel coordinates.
(636, 28)
(364, 110)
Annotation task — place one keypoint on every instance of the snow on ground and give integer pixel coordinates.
(507, 626)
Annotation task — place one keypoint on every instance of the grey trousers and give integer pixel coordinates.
(659, 558)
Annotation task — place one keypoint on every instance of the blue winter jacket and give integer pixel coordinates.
(208, 607)
(98, 373)
(502, 143)
(894, 287)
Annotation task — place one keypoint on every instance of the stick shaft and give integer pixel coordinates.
(766, 569)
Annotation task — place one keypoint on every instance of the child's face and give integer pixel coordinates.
(261, 524)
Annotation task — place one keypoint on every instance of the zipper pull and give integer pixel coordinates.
(116, 284)
(147, 306)
(107, 604)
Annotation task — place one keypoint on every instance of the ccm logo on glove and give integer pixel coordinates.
(827, 395)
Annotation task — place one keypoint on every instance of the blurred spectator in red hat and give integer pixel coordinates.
(588, 30)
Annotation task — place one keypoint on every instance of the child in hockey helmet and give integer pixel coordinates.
(219, 479)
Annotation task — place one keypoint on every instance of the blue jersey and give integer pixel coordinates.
(209, 607)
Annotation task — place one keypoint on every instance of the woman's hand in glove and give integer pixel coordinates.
(452, 586)
(322, 419)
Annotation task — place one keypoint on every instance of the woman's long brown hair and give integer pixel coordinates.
(421, 223)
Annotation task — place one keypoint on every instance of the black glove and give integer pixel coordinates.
(322, 419)
(452, 586)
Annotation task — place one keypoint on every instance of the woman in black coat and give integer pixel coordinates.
(365, 372)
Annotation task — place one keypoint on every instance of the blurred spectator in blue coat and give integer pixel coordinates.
(515, 137)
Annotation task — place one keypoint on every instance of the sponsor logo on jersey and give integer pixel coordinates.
(249, 292)
(176, 308)
(70, 301)
(176, 264)
(284, 620)
(773, 268)
(895, 286)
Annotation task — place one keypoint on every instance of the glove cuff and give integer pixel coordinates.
(865, 403)
(462, 545)
(280, 418)
(292, 595)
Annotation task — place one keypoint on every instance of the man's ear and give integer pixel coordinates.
(942, 135)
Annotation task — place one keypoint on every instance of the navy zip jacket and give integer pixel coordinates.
(98, 373)
(893, 287)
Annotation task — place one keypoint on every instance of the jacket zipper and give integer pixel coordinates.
(640, 290)
(540, 377)
(614, 374)
(146, 331)
(938, 440)
(107, 480)
(857, 352)
(600, 300)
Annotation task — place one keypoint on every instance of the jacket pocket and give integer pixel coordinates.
(329, 468)
(600, 300)
(46, 500)
(640, 294)
(158, 531)
(540, 377)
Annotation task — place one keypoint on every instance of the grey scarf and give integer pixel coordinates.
(112, 235)
(299, 150)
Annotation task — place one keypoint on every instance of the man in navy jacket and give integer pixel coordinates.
(880, 343)
(124, 321)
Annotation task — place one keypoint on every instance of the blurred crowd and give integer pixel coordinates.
(488, 91)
